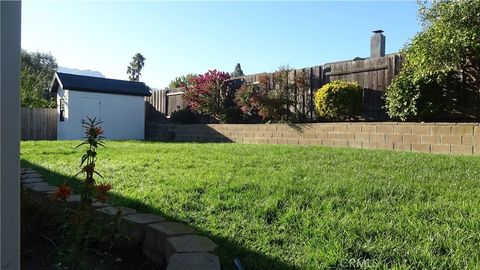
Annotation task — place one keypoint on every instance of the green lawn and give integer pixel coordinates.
(278, 207)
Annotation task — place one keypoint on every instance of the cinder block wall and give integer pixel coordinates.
(455, 138)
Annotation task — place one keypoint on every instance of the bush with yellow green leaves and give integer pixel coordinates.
(339, 100)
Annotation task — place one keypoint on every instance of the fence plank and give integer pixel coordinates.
(38, 124)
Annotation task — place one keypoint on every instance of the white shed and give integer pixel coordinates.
(119, 104)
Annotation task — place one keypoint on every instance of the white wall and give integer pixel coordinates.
(10, 12)
(123, 116)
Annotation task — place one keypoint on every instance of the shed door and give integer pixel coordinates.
(90, 108)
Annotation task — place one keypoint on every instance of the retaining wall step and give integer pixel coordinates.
(40, 186)
(134, 225)
(194, 261)
(113, 211)
(29, 171)
(189, 243)
(30, 175)
(156, 235)
(109, 216)
(50, 192)
(74, 200)
(32, 180)
(97, 205)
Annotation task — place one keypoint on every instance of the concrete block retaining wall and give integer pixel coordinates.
(454, 138)
(166, 243)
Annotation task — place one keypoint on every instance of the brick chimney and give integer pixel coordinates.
(377, 44)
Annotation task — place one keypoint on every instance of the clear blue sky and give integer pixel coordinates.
(191, 37)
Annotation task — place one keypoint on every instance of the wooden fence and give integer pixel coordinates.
(38, 124)
(373, 74)
(162, 103)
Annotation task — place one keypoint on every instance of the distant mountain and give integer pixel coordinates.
(86, 72)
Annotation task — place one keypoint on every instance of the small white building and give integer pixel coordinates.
(119, 104)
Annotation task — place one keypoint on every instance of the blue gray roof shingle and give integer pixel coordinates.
(99, 85)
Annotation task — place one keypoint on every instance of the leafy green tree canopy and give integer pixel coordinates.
(135, 68)
(444, 56)
(449, 41)
(37, 71)
(181, 81)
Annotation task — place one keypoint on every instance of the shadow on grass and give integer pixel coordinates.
(228, 249)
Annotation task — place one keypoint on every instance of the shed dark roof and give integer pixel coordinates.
(99, 85)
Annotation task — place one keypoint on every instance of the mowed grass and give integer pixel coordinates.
(281, 207)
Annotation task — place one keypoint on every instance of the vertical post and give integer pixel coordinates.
(165, 98)
(10, 12)
(310, 94)
(295, 92)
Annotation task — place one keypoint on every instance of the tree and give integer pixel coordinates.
(238, 72)
(135, 68)
(181, 81)
(37, 71)
(441, 71)
(210, 93)
(448, 42)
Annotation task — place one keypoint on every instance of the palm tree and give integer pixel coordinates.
(135, 68)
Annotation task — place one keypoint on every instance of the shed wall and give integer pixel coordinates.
(123, 116)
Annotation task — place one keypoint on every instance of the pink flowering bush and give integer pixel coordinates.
(209, 93)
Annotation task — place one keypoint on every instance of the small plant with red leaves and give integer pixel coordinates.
(262, 99)
(93, 139)
(81, 235)
(102, 192)
(63, 192)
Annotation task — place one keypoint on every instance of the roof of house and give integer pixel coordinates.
(98, 85)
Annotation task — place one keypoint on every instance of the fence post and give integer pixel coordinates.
(10, 14)
(165, 98)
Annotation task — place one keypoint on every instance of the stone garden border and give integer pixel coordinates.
(175, 244)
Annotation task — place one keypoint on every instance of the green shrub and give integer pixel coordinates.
(184, 116)
(440, 76)
(407, 99)
(339, 100)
